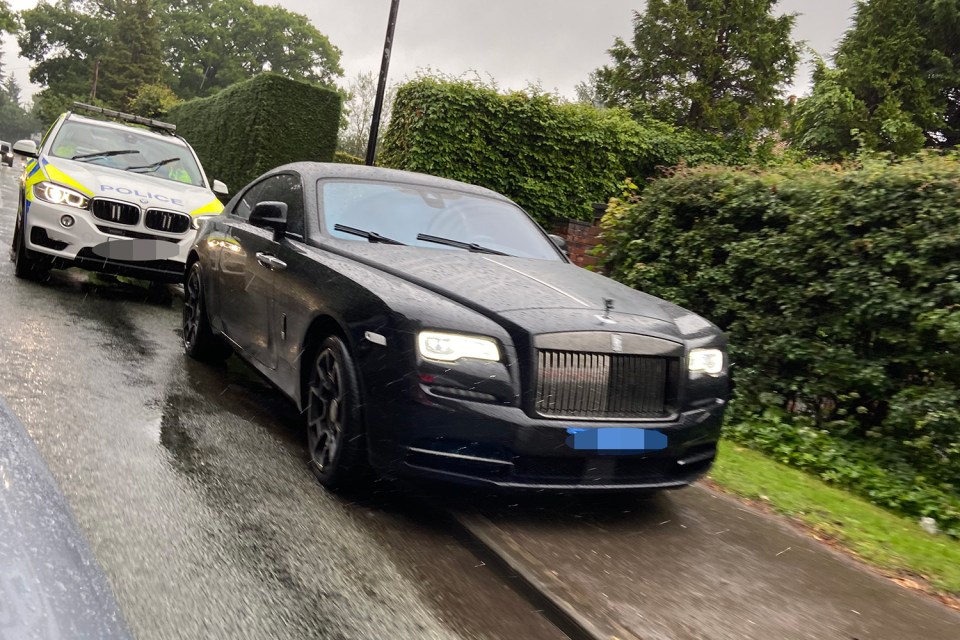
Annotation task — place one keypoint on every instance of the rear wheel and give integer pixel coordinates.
(335, 439)
(199, 340)
(27, 264)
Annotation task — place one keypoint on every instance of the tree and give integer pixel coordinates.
(8, 20)
(825, 123)
(15, 122)
(901, 61)
(196, 47)
(64, 41)
(712, 65)
(358, 113)
(153, 101)
(134, 57)
(211, 44)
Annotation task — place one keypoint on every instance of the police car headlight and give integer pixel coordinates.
(197, 221)
(55, 194)
(450, 347)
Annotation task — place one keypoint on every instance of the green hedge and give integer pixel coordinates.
(256, 125)
(554, 159)
(841, 293)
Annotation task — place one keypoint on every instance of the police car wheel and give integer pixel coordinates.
(199, 341)
(27, 264)
(335, 438)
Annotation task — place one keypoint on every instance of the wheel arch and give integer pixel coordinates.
(321, 327)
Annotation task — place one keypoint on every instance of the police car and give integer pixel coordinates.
(110, 197)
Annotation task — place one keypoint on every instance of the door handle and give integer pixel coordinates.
(271, 262)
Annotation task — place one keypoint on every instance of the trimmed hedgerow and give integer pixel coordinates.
(256, 125)
(554, 159)
(841, 293)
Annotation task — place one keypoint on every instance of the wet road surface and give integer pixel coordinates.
(190, 484)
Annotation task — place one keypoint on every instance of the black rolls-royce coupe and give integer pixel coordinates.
(428, 327)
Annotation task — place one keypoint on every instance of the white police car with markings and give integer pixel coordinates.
(110, 197)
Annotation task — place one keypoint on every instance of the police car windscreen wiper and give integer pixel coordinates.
(153, 166)
(371, 236)
(469, 246)
(104, 154)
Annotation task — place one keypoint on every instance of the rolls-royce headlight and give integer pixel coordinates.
(55, 194)
(708, 361)
(450, 347)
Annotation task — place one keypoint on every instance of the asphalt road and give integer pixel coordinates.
(190, 484)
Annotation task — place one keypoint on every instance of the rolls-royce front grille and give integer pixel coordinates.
(167, 221)
(572, 384)
(116, 212)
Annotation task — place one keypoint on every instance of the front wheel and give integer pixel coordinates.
(199, 341)
(26, 264)
(335, 438)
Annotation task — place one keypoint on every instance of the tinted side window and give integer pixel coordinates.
(250, 198)
(288, 189)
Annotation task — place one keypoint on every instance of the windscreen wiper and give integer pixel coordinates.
(104, 154)
(469, 246)
(153, 166)
(371, 236)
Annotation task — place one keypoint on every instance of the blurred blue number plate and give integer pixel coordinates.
(616, 439)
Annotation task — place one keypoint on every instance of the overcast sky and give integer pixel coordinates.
(554, 43)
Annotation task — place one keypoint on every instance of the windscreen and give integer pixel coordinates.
(127, 150)
(401, 212)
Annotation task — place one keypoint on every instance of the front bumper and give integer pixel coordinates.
(502, 447)
(74, 246)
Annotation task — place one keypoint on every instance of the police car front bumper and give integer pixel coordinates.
(74, 237)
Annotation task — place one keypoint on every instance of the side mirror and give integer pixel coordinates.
(220, 189)
(25, 148)
(560, 242)
(270, 215)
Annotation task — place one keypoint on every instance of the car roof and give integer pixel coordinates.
(320, 170)
(73, 117)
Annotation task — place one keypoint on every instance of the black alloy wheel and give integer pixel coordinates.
(199, 341)
(26, 264)
(335, 438)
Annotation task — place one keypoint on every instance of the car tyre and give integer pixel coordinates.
(27, 264)
(199, 340)
(335, 433)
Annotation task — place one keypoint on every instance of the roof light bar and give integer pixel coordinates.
(128, 117)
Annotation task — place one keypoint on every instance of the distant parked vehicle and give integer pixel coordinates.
(6, 153)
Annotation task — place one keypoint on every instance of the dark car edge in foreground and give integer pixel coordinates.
(430, 328)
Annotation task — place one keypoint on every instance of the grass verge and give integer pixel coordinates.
(895, 545)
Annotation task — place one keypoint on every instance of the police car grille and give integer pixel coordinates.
(572, 384)
(116, 212)
(167, 221)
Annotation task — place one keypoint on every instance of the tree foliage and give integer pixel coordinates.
(134, 56)
(711, 65)
(358, 114)
(897, 75)
(8, 20)
(196, 47)
(212, 44)
(15, 121)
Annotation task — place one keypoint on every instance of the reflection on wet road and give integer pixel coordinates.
(191, 486)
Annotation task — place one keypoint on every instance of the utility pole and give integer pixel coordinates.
(382, 85)
(96, 76)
